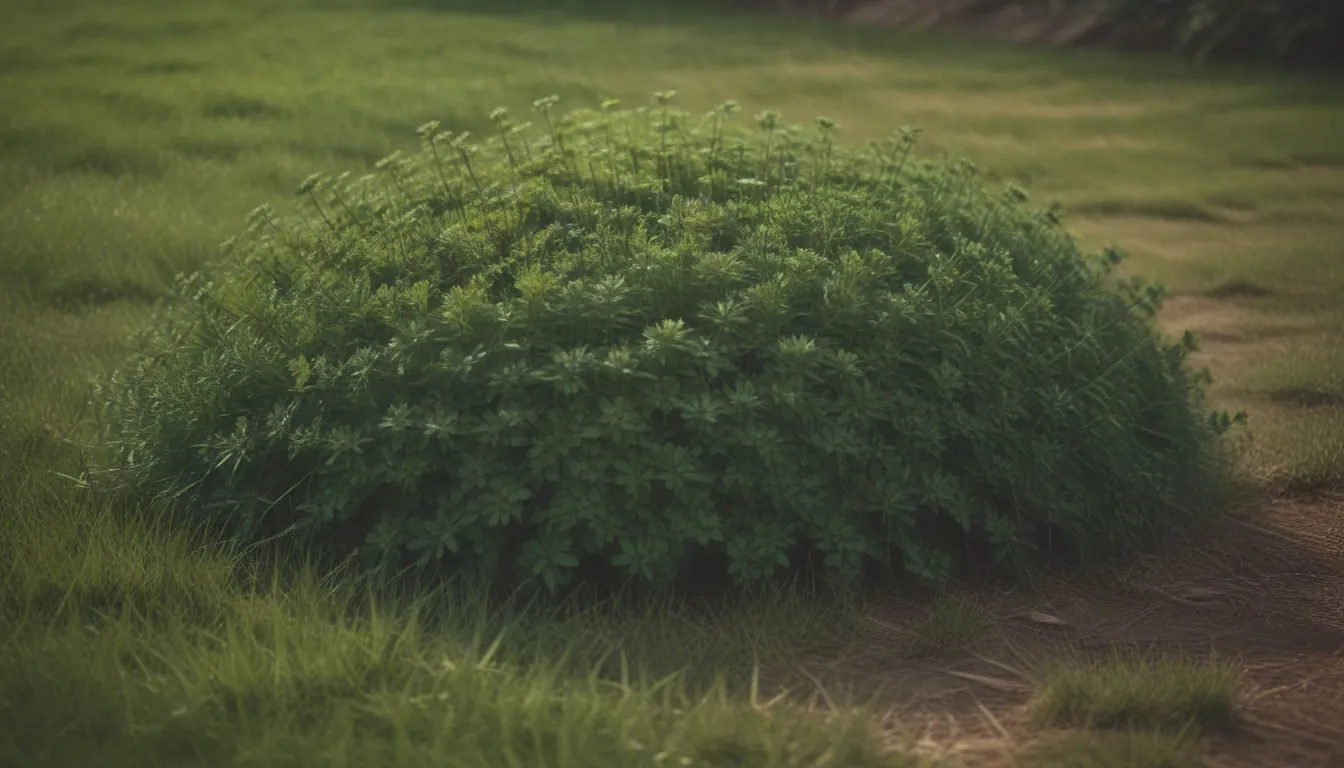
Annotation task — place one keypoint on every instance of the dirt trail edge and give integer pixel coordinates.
(1262, 587)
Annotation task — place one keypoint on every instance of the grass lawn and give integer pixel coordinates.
(136, 135)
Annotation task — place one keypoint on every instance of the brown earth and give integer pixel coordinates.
(1262, 587)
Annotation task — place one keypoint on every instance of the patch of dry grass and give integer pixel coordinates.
(1131, 691)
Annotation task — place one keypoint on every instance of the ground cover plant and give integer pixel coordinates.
(1129, 691)
(950, 624)
(655, 343)
(135, 137)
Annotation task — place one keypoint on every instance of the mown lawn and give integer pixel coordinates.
(136, 136)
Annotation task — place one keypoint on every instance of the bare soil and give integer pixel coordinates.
(1262, 587)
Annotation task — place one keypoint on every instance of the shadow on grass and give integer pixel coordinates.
(600, 10)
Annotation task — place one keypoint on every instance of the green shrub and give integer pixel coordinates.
(650, 342)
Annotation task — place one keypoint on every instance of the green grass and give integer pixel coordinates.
(157, 649)
(1138, 692)
(1101, 749)
(135, 136)
(1300, 397)
(948, 625)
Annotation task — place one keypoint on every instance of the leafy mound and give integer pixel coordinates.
(640, 340)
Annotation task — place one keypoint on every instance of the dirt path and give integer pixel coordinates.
(1263, 587)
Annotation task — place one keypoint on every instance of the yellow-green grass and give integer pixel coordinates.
(135, 136)
(1265, 298)
(1114, 749)
(1133, 691)
(129, 642)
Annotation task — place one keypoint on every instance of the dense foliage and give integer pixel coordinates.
(1295, 31)
(642, 340)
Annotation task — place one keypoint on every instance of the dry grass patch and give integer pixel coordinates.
(1131, 691)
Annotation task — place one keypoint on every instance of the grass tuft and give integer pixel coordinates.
(950, 624)
(1128, 691)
